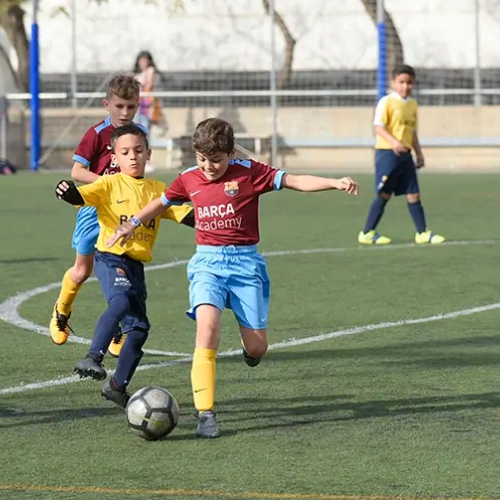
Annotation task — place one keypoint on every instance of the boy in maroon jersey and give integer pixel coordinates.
(226, 271)
(92, 159)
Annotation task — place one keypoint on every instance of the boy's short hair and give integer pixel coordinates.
(212, 136)
(403, 69)
(123, 86)
(131, 129)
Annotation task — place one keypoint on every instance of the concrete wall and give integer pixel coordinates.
(312, 125)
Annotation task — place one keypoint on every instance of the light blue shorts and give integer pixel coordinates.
(232, 277)
(86, 231)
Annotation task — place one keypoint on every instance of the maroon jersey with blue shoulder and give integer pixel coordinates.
(226, 210)
(94, 150)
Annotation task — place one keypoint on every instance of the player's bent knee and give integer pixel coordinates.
(208, 326)
(255, 341)
(385, 196)
(138, 337)
(413, 198)
(82, 269)
(256, 350)
(120, 304)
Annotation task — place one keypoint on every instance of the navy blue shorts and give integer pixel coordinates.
(117, 275)
(395, 174)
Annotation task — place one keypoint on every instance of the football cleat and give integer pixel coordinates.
(249, 360)
(113, 393)
(372, 238)
(428, 237)
(90, 367)
(116, 345)
(207, 425)
(59, 327)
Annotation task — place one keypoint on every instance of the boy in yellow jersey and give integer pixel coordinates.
(395, 126)
(120, 269)
(92, 159)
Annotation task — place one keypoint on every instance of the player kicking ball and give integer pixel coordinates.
(227, 270)
(120, 268)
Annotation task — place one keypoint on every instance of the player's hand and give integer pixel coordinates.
(348, 185)
(420, 161)
(63, 187)
(399, 148)
(123, 233)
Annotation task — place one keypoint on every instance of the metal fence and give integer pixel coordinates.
(230, 58)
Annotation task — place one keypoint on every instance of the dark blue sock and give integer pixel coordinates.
(418, 216)
(376, 212)
(118, 307)
(130, 357)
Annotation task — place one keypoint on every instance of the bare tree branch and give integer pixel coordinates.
(395, 53)
(285, 74)
(12, 21)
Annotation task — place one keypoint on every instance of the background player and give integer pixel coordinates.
(226, 271)
(120, 269)
(395, 125)
(92, 159)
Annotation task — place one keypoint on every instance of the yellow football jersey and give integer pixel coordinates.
(399, 117)
(117, 198)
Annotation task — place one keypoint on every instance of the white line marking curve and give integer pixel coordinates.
(9, 312)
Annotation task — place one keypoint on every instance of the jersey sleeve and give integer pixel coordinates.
(87, 148)
(381, 112)
(176, 194)
(266, 178)
(177, 213)
(94, 194)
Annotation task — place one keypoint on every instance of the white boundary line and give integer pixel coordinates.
(9, 312)
(278, 345)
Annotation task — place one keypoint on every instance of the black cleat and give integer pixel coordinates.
(113, 393)
(207, 426)
(249, 360)
(90, 367)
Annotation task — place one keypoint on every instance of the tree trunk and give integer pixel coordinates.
(395, 53)
(12, 21)
(285, 73)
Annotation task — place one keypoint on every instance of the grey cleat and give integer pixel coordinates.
(90, 367)
(113, 393)
(207, 426)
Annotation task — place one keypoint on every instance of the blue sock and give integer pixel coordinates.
(107, 326)
(376, 212)
(130, 357)
(418, 216)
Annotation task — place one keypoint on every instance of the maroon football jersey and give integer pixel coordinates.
(226, 210)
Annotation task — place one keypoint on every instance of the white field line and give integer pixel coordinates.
(10, 314)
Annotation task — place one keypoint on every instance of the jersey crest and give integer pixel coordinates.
(231, 188)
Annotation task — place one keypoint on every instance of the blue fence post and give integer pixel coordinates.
(34, 83)
(382, 51)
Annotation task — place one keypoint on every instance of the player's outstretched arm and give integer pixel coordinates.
(126, 230)
(81, 173)
(68, 192)
(312, 183)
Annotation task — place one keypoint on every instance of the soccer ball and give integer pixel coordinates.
(152, 413)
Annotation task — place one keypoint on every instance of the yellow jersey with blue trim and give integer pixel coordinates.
(117, 198)
(399, 116)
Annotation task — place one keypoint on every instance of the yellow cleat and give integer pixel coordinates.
(373, 238)
(116, 345)
(428, 237)
(59, 328)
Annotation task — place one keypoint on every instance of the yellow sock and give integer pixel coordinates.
(203, 378)
(67, 295)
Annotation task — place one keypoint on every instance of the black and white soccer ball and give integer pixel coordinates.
(152, 413)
